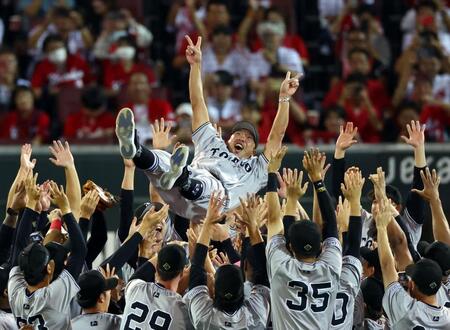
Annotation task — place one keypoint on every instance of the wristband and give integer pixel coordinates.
(272, 182)
(284, 99)
(56, 224)
(12, 212)
(319, 186)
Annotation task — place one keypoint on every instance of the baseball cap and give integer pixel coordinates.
(142, 209)
(229, 285)
(305, 238)
(373, 291)
(372, 258)
(32, 261)
(426, 274)
(58, 253)
(171, 260)
(92, 284)
(247, 126)
(440, 253)
(184, 109)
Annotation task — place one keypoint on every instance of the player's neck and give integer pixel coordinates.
(36, 287)
(308, 260)
(171, 285)
(429, 300)
(94, 310)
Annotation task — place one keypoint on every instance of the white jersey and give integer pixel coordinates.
(45, 308)
(303, 294)
(96, 321)
(7, 321)
(405, 312)
(348, 290)
(151, 306)
(379, 324)
(443, 295)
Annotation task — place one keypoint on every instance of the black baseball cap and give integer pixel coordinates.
(373, 291)
(92, 284)
(58, 253)
(372, 258)
(32, 261)
(171, 260)
(142, 209)
(426, 274)
(229, 286)
(249, 127)
(305, 238)
(439, 252)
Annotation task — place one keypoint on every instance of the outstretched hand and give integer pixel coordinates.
(161, 134)
(213, 214)
(431, 181)
(290, 85)
(295, 189)
(62, 154)
(59, 197)
(276, 159)
(416, 134)
(346, 137)
(313, 164)
(194, 52)
(25, 158)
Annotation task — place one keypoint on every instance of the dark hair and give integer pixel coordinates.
(392, 193)
(167, 276)
(273, 9)
(356, 30)
(324, 115)
(224, 78)
(61, 11)
(21, 89)
(222, 29)
(356, 77)
(51, 38)
(34, 279)
(6, 50)
(93, 98)
(128, 39)
(217, 2)
(365, 9)
(356, 50)
(426, 4)
(406, 104)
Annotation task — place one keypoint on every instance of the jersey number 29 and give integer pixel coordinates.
(159, 320)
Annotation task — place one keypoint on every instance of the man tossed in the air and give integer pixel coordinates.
(229, 167)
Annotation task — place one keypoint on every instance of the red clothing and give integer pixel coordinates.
(360, 119)
(437, 122)
(377, 94)
(76, 73)
(116, 77)
(316, 137)
(290, 41)
(16, 128)
(80, 126)
(156, 109)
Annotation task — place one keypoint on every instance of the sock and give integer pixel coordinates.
(144, 158)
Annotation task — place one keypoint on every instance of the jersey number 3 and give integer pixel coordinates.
(158, 321)
(302, 294)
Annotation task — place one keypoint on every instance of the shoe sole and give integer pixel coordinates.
(177, 162)
(125, 133)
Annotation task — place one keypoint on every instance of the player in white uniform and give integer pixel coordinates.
(94, 297)
(418, 307)
(229, 167)
(304, 283)
(229, 308)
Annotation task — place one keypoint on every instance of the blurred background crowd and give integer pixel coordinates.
(68, 66)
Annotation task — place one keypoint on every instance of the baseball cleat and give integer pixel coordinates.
(178, 161)
(125, 129)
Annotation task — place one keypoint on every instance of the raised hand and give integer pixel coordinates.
(107, 272)
(89, 203)
(289, 85)
(19, 200)
(161, 139)
(25, 154)
(213, 214)
(45, 199)
(152, 218)
(313, 164)
(342, 215)
(379, 183)
(250, 212)
(416, 134)
(346, 137)
(32, 190)
(294, 188)
(431, 183)
(282, 184)
(194, 52)
(276, 159)
(62, 154)
(352, 186)
(59, 197)
(221, 259)
(382, 213)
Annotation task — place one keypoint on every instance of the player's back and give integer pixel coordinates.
(96, 321)
(443, 295)
(151, 306)
(46, 308)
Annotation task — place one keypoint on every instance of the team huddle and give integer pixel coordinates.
(208, 253)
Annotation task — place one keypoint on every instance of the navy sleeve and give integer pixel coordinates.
(259, 264)
(354, 236)
(24, 229)
(78, 251)
(98, 237)
(6, 239)
(329, 228)
(415, 205)
(227, 247)
(337, 176)
(124, 253)
(84, 227)
(145, 272)
(126, 213)
(197, 274)
(42, 223)
(288, 221)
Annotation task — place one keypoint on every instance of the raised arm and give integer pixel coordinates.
(199, 109)
(288, 87)
(430, 193)
(126, 200)
(63, 158)
(274, 223)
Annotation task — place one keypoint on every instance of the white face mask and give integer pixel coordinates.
(58, 55)
(125, 53)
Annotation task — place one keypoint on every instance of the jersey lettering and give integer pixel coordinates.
(231, 158)
(345, 298)
(159, 320)
(316, 293)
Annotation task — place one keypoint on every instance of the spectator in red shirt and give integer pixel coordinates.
(93, 122)
(329, 127)
(25, 123)
(118, 72)
(395, 127)
(145, 108)
(59, 69)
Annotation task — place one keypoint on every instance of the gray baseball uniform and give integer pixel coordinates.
(379, 324)
(46, 308)
(303, 294)
(348, 290)
(443, 295)
(252, 315)
(404, 312)
(96, 321)
(7, 321)
(217, 168)
(151, 306)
